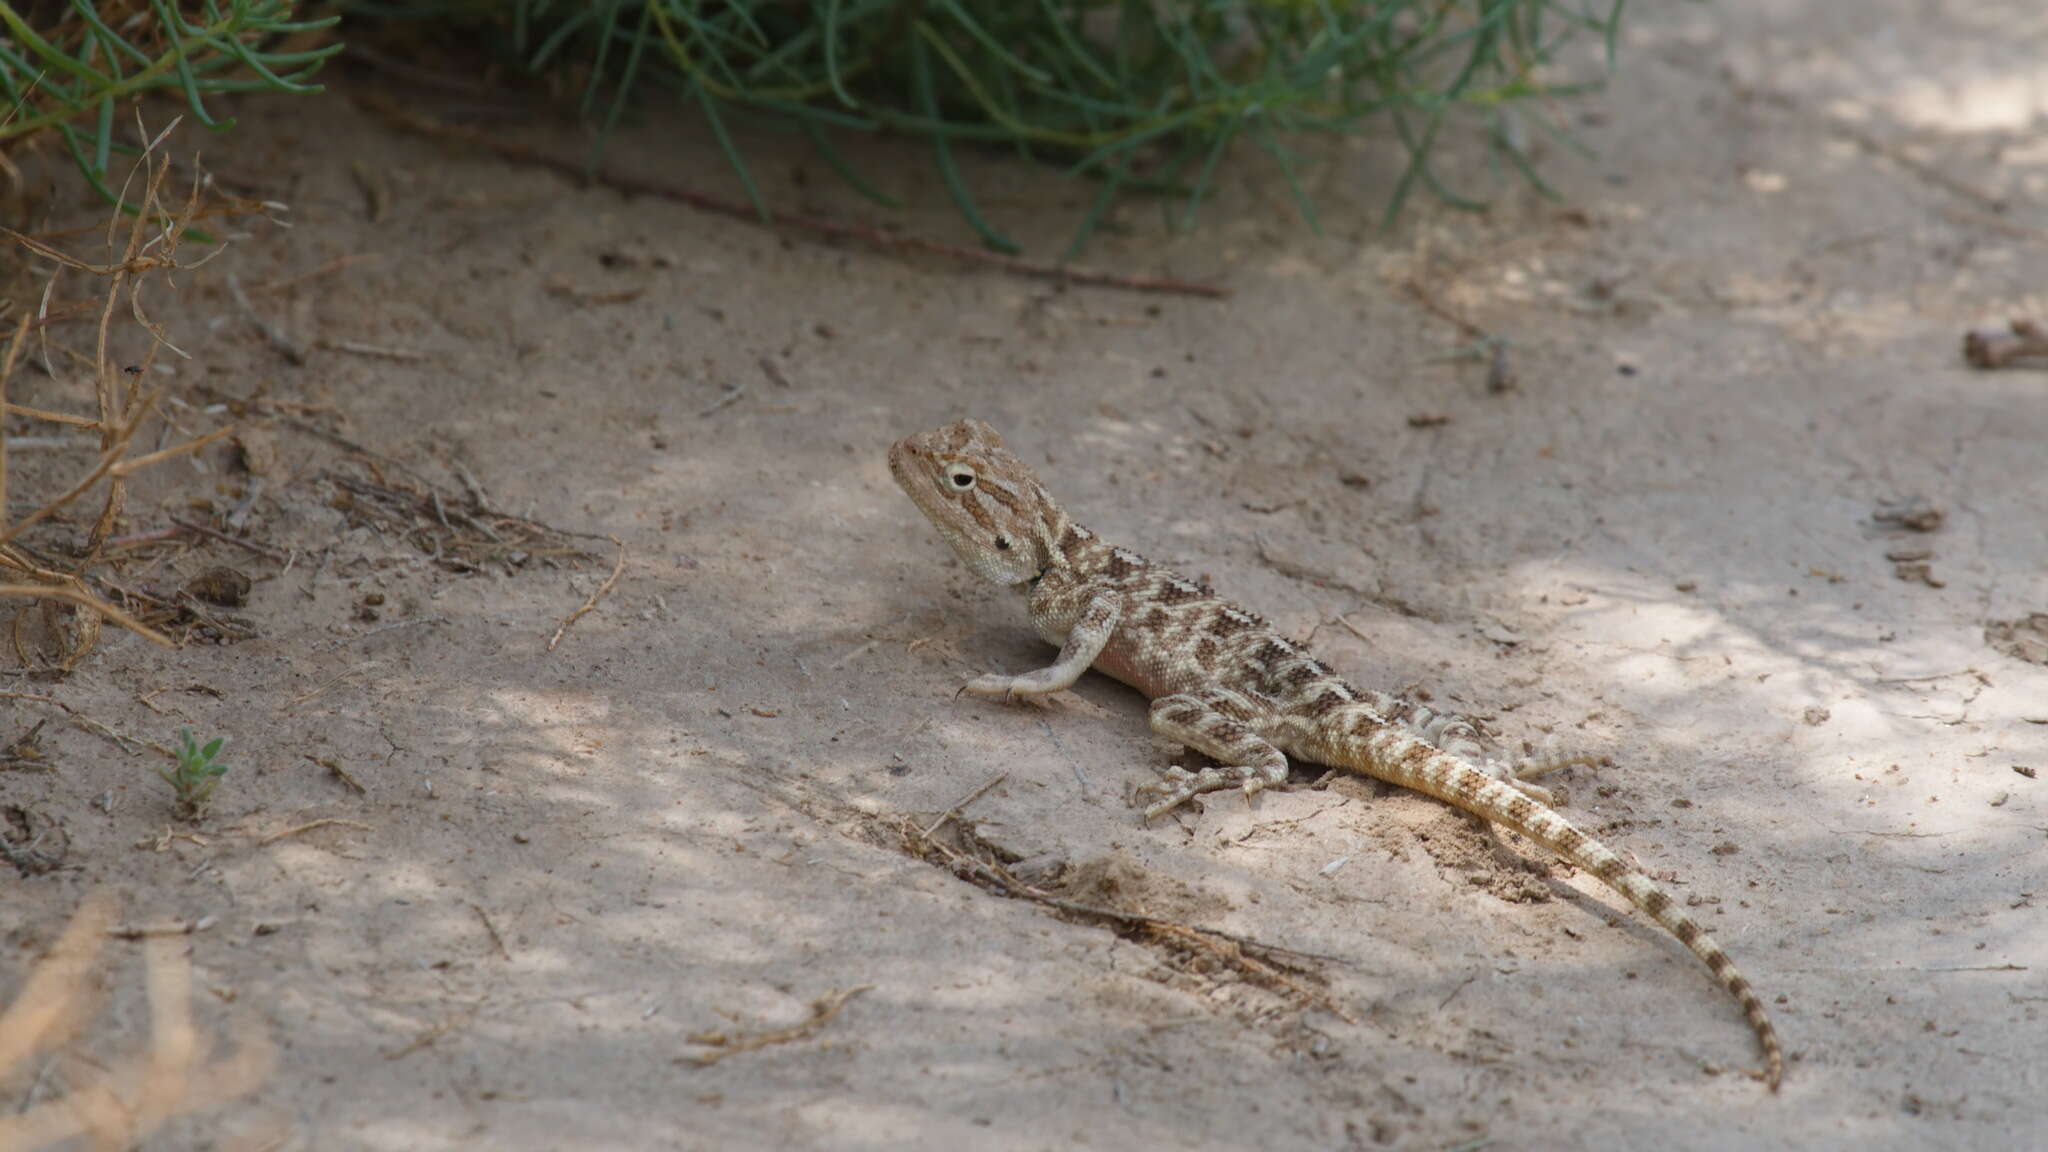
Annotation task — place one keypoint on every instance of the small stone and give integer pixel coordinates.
(219, 585)
(1915, 514)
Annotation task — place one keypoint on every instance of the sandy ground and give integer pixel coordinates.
(1734, 339)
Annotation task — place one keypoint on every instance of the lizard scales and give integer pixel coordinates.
(1223, 682)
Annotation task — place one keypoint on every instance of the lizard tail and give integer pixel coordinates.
(1399, 757)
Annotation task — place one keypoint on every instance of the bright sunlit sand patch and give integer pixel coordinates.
(1996, 102)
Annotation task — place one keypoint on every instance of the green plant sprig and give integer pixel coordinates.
(81, 68)
(197, 773)
(1140, 96)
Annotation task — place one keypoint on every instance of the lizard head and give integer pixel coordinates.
(985, 502)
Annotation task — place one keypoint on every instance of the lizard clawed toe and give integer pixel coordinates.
(1178, 786)
(992, 685)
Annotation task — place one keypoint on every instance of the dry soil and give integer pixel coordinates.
(562, 892)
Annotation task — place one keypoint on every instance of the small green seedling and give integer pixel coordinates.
(198, 773)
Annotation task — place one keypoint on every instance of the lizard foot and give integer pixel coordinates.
(1550, 760)
(1520, 772)
(1179, 785)
(1506, 774)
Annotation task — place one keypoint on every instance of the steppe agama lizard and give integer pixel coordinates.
(1223, 682)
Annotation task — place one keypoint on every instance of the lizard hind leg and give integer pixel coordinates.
(1221, 725)
(1521, 772)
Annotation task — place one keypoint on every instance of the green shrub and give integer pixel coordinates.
(67, 68)
(1137, 95)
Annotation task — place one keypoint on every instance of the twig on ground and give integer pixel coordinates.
(618, 566)
(361, 349)
(1929, 172)
(1040, 896)
(329, 822)
(577, 169)
(955, 810)
(124, 467)
(497, 940)
(1500, 375)
(568, 291)
(74, 310)
(259, 549)
(477, 495)
(823, 1009)
(26, 858)
(338, 772)
(140, 539)
(52, 417)
(89, 602)
(1237, 952)
(433, 1035)
(128, 743)
(175, 928)
(115, 441)
(731, 394)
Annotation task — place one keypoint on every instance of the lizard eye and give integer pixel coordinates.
(960, 477)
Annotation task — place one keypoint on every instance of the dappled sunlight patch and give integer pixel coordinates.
(1994, 101)
(1900, 743)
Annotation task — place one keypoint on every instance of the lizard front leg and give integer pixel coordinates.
(1085, 641)
(1218, 723)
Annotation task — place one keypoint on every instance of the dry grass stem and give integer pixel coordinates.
(1257, 962)
(327, 823)
(956, 809)
(123, 407)
(497, 938)
(174, 928)
(90, 602)
(823, 1009)
(357, 347)
(618, 566)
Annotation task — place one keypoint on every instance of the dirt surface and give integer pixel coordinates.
(569, 898)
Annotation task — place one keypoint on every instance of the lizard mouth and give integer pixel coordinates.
(900, 454)
(909, 467)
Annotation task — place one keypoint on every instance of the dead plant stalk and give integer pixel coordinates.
(123, 403)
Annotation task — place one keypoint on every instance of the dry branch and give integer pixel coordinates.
(123, 406)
